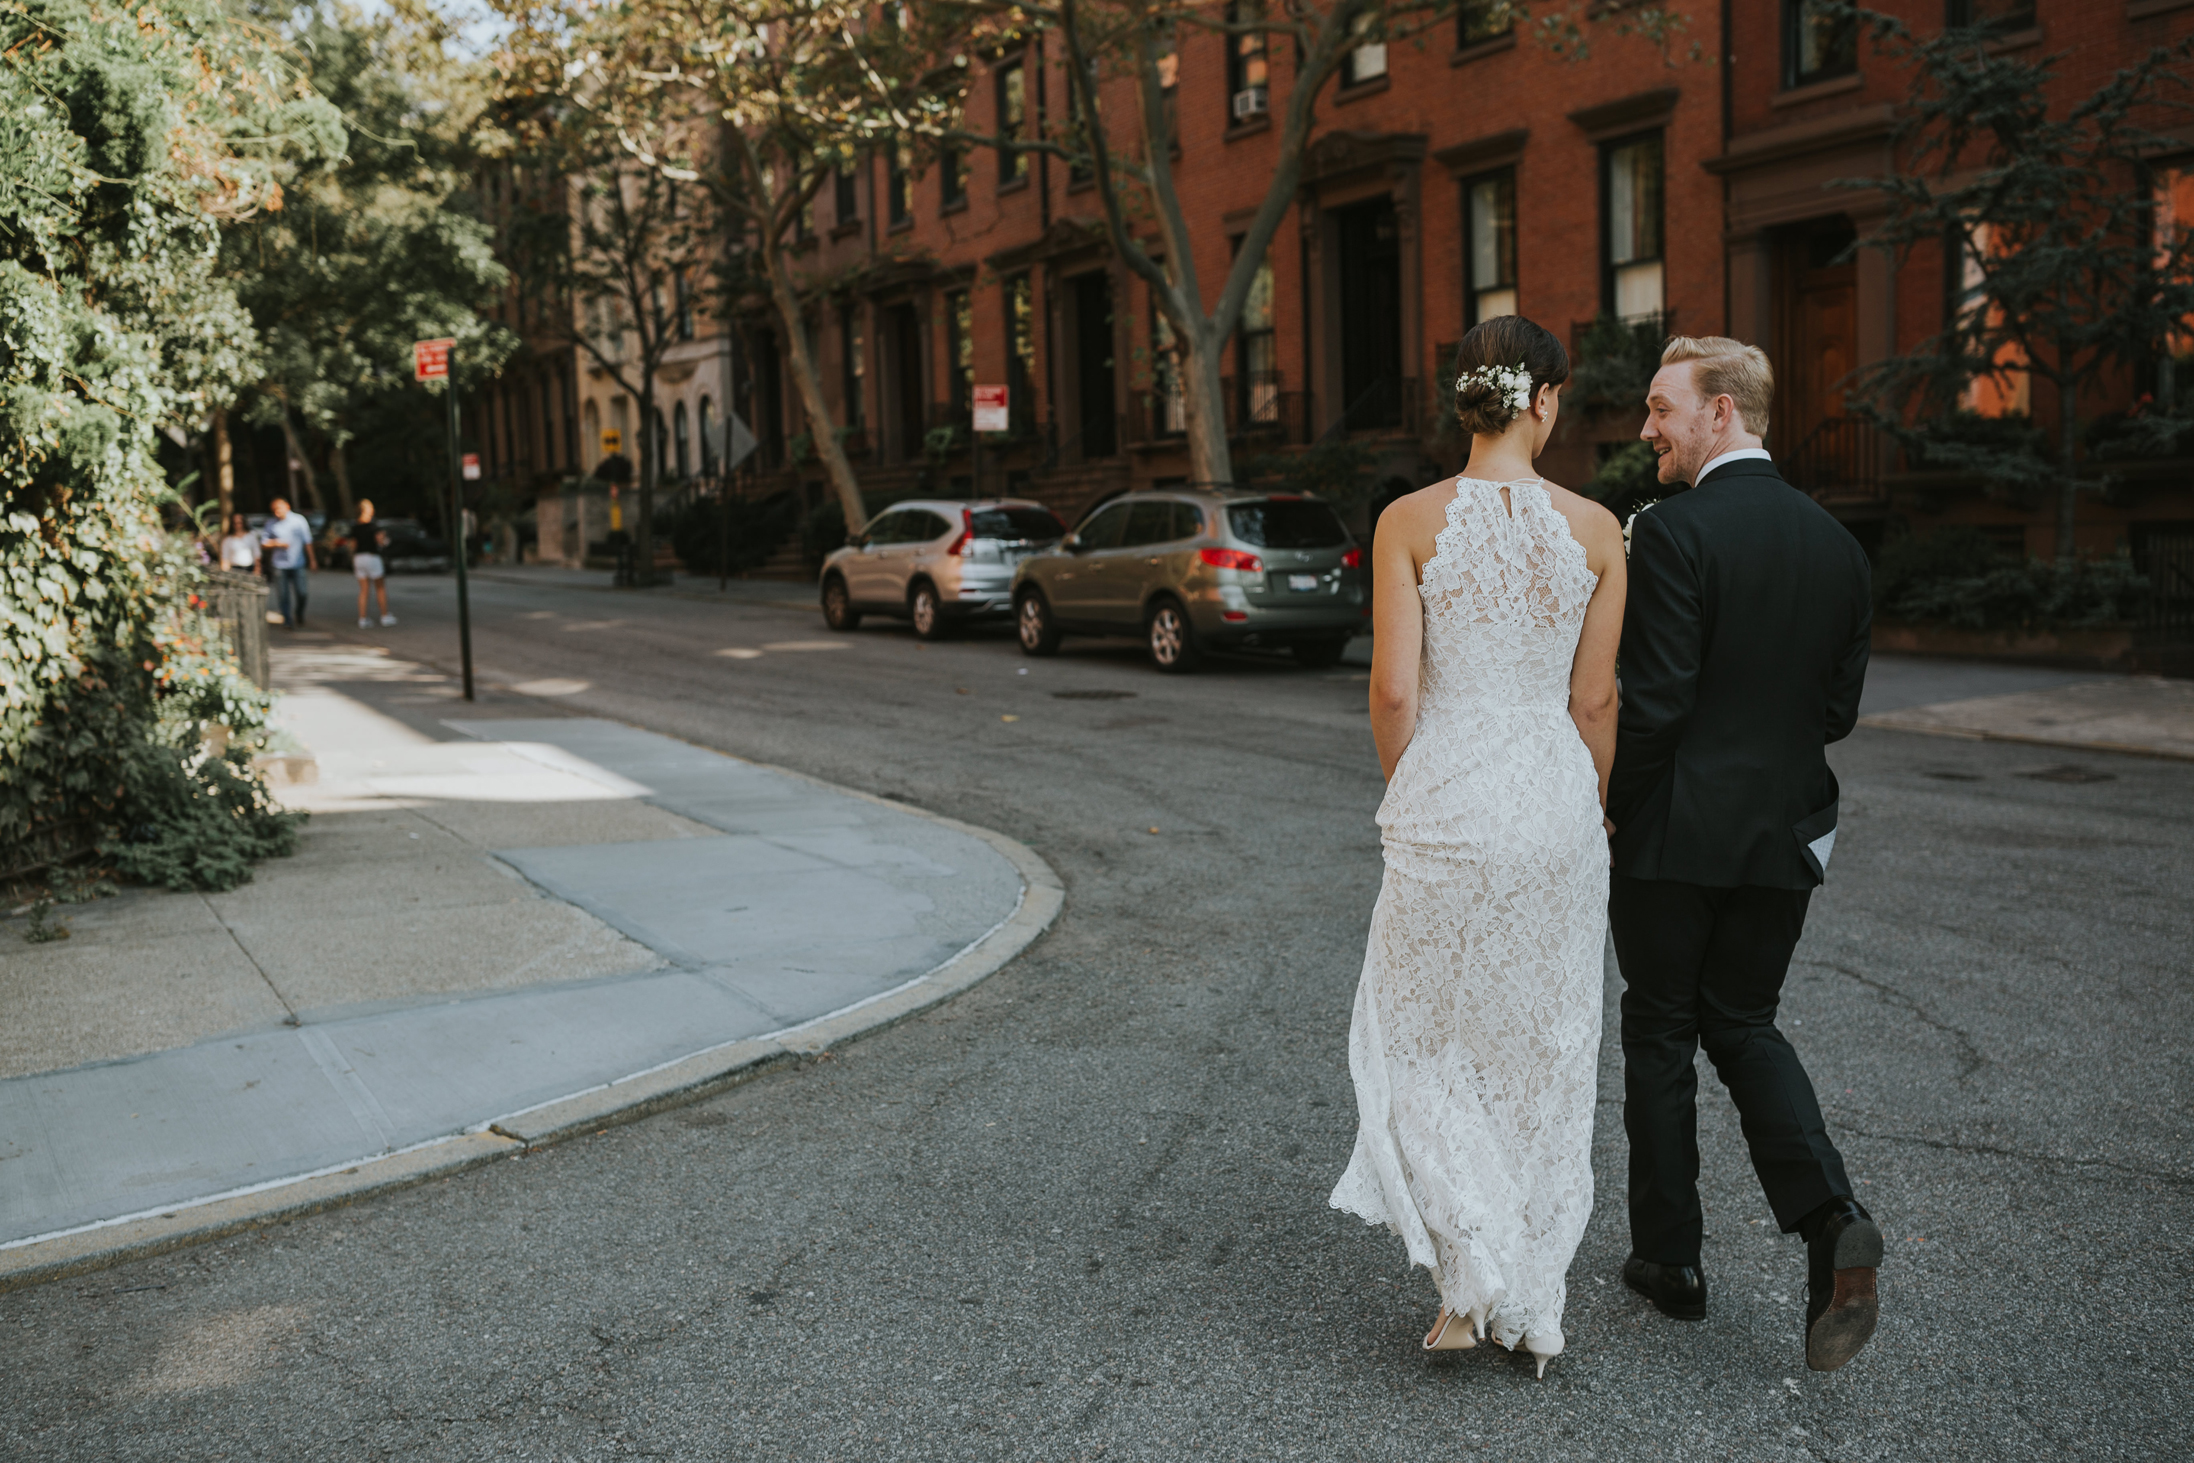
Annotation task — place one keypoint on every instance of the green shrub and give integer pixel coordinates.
(1631, 474)
(1338, 470)
(1614, 365)
(197, 822)
(697, 533)
(1957, 577)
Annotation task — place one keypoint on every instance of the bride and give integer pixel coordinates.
(1475, 1042)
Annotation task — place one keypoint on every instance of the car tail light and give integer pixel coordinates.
(1353, 559)
(1234, 615)
(1233, 559)
(967, 532)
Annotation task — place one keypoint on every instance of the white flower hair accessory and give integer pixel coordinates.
(1512, 382)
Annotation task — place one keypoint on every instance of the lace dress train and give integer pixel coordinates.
(1475, 1040)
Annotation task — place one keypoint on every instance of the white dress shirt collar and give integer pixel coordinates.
(1737, 456)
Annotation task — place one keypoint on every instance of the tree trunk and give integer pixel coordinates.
(821, 430)
(2068, 431)
(643, 538)
(341, 464)
(224, 467)
(304, 463)
(1203, 401)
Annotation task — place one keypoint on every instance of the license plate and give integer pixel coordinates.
(1302, 583)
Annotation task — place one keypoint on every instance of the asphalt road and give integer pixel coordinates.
(1081, 1212)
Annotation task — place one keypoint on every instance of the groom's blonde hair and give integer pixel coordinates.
(1724, 367)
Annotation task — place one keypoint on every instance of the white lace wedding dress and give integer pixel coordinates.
(1476, 1034)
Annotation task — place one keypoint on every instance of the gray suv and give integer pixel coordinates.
(935, 562)
(1194, 571)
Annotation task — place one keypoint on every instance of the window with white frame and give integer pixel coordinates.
(1633, 280)
(1489, 245)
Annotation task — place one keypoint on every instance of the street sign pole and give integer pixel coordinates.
(457, 523)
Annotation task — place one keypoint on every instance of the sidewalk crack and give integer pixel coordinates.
(290, 1016)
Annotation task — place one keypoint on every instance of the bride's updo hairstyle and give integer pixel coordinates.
(1499, 369)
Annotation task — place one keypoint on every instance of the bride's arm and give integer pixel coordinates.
(1397, 634)
(1592, 698)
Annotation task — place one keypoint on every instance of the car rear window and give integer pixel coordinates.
(1017, 523)
(1286, 523)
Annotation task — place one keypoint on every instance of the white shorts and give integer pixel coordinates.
(366, 566)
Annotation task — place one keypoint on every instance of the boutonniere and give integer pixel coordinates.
(1632, 522)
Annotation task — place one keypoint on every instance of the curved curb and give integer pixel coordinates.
(689, 1079)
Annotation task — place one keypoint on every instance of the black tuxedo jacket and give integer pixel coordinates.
(1744, 649)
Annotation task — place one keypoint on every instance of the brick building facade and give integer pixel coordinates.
(1450, 176)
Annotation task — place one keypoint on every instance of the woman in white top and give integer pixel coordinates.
(240, 548)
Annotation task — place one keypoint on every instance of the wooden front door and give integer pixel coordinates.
(1819, 291)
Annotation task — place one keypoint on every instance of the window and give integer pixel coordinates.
(1151, 521)
(1489, 247)
(1368, 61)
(2007, 391)
(1998, 15)
(1286, 523)
(684, 293)
(960, 344)
(2173, 185)
(1017, 524)
(1021, 347)
(1479, 21)
(1012, 122)
(1248, 94)
(548, 423)
(895, 186)
(1630, 208)
(1820, 40)
(1169, 87)
(681, 443)
(707, 422)
(1102, 529)
(1257, 350)
(952, 179)
(853, 351)
(845, 197)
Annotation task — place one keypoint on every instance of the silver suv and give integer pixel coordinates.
(935, 562)
(1195, 571)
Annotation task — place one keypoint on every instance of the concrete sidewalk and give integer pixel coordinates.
(2078, 711)
(497, 929)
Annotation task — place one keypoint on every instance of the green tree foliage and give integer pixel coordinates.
(379, 248)
(128, 138)
(2065, 281)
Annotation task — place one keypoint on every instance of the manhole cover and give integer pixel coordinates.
(1093, 695)
(1954, 776)
(2069, 773)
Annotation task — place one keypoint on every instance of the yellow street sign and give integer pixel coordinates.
(612, 440)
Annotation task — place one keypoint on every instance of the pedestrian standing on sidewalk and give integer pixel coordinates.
(289, 541)
(240, 546)
(366, 543)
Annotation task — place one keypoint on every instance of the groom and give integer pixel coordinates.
(1744, 647)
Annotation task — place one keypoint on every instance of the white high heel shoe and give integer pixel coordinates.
(1543, 1348)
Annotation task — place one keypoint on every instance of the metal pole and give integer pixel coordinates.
(457, 524)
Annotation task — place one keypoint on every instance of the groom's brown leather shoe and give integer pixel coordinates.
(1677, 1291)
(1843, 1250)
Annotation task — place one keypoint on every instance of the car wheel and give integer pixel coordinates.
(838, 610)
(1317, 655)
(1032, 618)
(927, 612)
(1172, 638)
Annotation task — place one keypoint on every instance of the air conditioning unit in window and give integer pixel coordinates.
(1249, 102)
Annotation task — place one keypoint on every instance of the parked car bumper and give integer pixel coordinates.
(1224, 618)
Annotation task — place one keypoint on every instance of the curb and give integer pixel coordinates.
(1883, 722)
(689, 1079)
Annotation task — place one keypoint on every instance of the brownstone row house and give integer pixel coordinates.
(1466, 173)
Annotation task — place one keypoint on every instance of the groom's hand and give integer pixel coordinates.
(1608, 825)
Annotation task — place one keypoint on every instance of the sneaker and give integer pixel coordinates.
(388, 619)
(364, 623)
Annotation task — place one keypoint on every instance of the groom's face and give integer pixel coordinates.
(1679, 426)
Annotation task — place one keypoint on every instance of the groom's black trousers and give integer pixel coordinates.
(1704, 967)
